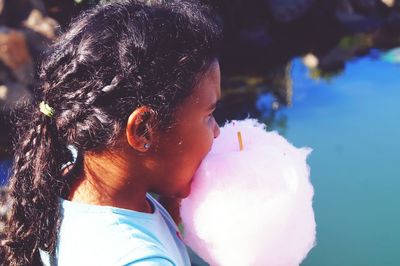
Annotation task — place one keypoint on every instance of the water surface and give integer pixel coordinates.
(352, 123)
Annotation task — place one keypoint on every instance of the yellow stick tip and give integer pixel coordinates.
(239, 135)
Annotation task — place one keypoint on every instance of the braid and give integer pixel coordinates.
(34, 187)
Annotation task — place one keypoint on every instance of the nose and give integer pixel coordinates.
(216, 131)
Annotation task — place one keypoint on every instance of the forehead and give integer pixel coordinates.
(208, 89)
(206, 93)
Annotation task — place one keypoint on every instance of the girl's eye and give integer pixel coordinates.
(211, 115)
(211, 119)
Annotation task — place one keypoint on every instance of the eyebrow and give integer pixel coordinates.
(214, 105)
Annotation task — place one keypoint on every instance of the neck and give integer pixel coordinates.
(109, 181)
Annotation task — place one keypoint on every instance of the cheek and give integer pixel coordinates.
(197, 143)
(189, 146)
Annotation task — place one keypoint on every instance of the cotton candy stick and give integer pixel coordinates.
(240, 140)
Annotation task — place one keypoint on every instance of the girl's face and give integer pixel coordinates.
(181, 149)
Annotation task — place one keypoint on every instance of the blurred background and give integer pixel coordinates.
(323, 73)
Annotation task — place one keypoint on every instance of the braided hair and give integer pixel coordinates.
(114, 58)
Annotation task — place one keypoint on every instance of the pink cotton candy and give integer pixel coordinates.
(251, 207)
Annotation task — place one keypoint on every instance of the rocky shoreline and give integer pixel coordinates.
(259, 34)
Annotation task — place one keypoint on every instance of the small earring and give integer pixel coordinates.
(146, 145)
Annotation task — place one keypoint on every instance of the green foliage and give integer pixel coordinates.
(327, 75)
(356, 41)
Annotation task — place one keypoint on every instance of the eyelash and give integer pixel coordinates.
(211, 115)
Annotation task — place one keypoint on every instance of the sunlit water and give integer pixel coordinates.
(353, 125)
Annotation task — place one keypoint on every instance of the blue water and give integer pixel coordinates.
(5, 166)
(352, 123)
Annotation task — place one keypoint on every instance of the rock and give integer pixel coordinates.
(373, 8)
(340, 6)
(38, 4)
(36, 42)
(15, 11)
(393, 21)
(1, 6)
(62, 11)
(255, 37)
(11, 92)
(284, 11)
(13, 50)
(14, 54)
(389, 3)
(336, 57)
(43, 25)
(356, 16)
(3, 92)
(2, 15)
(356, 23)
(282, 84)
(365, 6)
(310, 60)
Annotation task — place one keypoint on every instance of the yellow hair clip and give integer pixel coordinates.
(46, 109)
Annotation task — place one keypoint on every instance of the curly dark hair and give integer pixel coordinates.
(114, 58)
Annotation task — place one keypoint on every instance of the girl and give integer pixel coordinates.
(123, 107)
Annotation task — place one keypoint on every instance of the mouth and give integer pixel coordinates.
(191, 181)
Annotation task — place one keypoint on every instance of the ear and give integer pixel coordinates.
(140, 128)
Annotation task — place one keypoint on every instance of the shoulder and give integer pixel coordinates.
(97, 236)
(145, 254)
(125, 252)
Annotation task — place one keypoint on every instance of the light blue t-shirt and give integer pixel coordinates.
(102, 235)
